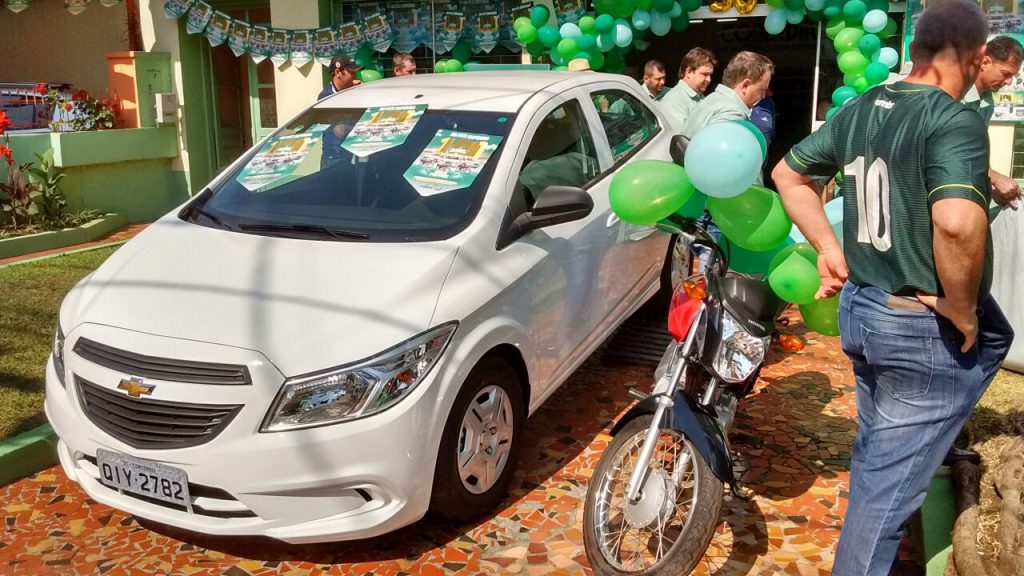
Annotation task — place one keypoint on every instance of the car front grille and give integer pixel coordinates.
(153, 424)
(171, 370)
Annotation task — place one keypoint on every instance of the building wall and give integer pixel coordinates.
(296, 87)
(46, 43)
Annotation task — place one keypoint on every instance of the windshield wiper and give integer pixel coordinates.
(332, 232)
(212, 217)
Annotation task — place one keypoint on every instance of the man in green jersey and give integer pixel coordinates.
(916, 319)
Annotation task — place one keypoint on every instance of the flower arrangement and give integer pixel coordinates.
(80, 112)
(16, 193)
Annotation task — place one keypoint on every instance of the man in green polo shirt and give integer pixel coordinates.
(744, 83)
(923, 334)
(1003, 56)
(694, 76)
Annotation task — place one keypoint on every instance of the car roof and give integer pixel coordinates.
(492, 91)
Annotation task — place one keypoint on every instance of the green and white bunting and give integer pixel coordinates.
(238, 37)
(408, 26)
(325, 45)
(17, 5)
(198, 17)
(449, 35)
(259, 44)
(350, 37)
(174, 9)
(280, 40)
(301, 48)
(278, 160)
(76, 7)
(568, 11)
(486, 31)
(382, 128)
(217, 30)
(109, 3)
(377, 31)
(451, 161)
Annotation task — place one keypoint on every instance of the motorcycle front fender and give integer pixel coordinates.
(699, 427)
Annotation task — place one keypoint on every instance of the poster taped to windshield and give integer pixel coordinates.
(382, 128)
(278, 160)
(451, 161)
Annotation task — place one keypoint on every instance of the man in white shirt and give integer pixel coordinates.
(694, 77)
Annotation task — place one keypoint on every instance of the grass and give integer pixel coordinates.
(32, 294)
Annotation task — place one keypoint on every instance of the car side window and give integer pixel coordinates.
(626, 121)
(561, 153)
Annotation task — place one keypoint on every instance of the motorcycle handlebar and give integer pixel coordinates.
(696, 232)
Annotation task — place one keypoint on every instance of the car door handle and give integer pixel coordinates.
(613, 219)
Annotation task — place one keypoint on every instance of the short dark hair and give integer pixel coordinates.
(1004, 49)
(653, 66)
(746, 66)
(956, 24)
(696, 58)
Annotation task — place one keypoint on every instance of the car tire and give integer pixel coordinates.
(459, 493)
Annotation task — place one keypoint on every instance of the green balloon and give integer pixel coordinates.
(596, 60)
(363, 56)
(520, 22)
(539, 15)
(889, 31)
(822, 316)
(793, 274)
(604, 23)
(754, 220)
(691, 5)
(535, 48)
(831, 112)
(567, 47)
(604, 6)
(861, 84)
(757, 134)
(854, 11)
(646, 191)
(548, 36)
(834, 27)
(588, 25)
(777, 4)
(369, 75)
(869, 44)
(853, 62)
(882, 5)
(876, 73)
(527, 33)
(847, 39)
(453, 65)
(663, 6)
(681, 22)
(439, 66)
(694, 208)
(750, 261)
(561, 68)
(613, 61)
(644, 5)
(623, 8)
(464, 53)
(816, 15)
(793, 4)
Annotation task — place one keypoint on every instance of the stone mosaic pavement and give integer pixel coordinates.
(795, 432)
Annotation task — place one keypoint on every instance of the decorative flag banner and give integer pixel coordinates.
(17, 5)
(568, 11)
(448, 36)
(326, 45)
(487, 31)
(217, 31)
(436, 25)
(301, 48)
(76, 7)
(109, 3)
(238, 38)
(259, 44)
(198, 17)
(280, 41)
(382, 128)
(278, 160)
(509, 39)
(451, 161)
(365, 10)
(174, 9)
(377, 31)
(350, 37)
(407, 25)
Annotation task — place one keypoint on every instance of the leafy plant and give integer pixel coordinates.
(15, 194)
(48, 198)
(80, 112)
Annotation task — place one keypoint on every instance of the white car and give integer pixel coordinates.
(349, 327)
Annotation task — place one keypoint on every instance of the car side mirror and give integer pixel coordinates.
(677, 148)
(554, 205)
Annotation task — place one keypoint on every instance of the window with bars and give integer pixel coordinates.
(1017, 167)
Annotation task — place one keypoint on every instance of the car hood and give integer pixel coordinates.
(306, 305)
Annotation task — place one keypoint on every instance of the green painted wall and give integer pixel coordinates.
(197, 108)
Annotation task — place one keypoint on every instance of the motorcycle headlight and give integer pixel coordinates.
(57, 352)
(360, 389)
(739, 354)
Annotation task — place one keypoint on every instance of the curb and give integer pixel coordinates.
(27, 453)
(56, 239)
(65, 253)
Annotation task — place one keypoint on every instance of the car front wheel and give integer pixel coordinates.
(480, 443)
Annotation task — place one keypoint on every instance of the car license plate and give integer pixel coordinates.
(143, 477)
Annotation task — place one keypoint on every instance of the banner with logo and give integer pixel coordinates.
(198, 17)
(325, 45)
(280, 41)
(382, 128)
(451, 161)
(301, 48)
(17, 5)
(259, 44)
(449, 35)
(217, 30)
(569, 11)
(350, 38)
(407, 26)
(487, 31)
(174, 9)
(377, 31)
(509, 39)
(76, 7)
(238, 37)
(278, 160)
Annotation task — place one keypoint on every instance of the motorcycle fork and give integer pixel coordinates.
(663, 393)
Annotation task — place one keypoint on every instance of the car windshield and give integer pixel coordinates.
(390, 174)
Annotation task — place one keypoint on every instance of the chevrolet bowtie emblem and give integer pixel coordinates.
(135, 387)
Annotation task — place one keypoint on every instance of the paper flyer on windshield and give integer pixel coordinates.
(278, 160)
(451, 161)
(382, 128)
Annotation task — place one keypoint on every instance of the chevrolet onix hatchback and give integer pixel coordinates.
(350, 325)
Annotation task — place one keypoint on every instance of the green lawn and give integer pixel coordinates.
(31, 294)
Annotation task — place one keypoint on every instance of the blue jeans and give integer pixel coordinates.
(915, 390)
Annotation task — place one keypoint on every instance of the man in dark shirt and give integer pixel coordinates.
(343, 75)
(915, 316)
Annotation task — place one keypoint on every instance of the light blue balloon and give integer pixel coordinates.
(889, 57)
(874, 21)
(606, 41)
(623, 33)
(570, 30)
(676, 10)
(814, 5)
(834, 213)
(794, 16)
(641, 19)
(775, 22)
(723, 159)
(661, 24)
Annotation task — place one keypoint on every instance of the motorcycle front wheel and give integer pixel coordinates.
(668, 529)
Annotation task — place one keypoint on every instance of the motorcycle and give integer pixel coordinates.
(655, 498)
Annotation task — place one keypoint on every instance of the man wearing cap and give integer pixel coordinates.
(343, 75)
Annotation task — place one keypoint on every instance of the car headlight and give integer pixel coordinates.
(58, 354)
(739, 353)
(360, 389)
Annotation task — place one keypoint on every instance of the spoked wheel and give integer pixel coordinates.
(668, 529)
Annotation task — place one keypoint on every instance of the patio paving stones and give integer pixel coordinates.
(794, 433)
